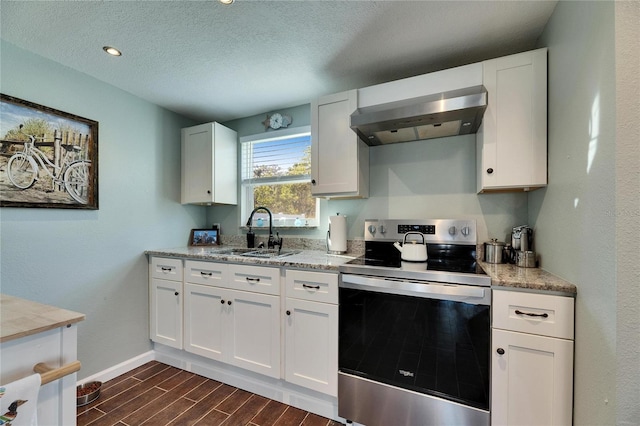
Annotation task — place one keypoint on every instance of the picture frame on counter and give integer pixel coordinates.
(204, 237)
(49, 157)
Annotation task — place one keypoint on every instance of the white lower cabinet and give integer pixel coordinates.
(532, 359)
(204, 325)
(240, 328)
(311, 330)
(254, 332)
(165, 301)
(238, 315)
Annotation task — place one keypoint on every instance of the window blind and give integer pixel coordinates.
(276, 159)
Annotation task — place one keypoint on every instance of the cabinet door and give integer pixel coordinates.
(206, 273)
(209, 164)
(165, 269)
(339, 160)
(254, 332)
(312, 286)
(311, 342)
(258, 279)
(512, 140)
(166, 312)
(205, 309)
(531, 380)
(197, 164)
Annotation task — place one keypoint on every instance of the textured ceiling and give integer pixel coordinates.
(209, 62)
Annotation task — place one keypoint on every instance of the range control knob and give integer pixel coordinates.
(382, 229)
(465, 231)
(452, 230)
(372, 229)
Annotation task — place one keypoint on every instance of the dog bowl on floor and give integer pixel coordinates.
(87, 393)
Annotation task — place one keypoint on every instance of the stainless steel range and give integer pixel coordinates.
(415, 336)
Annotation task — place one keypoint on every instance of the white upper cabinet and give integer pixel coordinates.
(209, 165)
(339, 159)
(512, 140)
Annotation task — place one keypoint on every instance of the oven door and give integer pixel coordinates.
(413, 351)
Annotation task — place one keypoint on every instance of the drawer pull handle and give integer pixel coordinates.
(206, 274)
(163, 269)
(255, 280)
(530, 314)
(314, 287)
(222, 301)
(176, 293)
(500, 351)
(288, 312)
(229, 303)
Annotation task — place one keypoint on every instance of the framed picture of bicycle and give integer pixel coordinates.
(48, 158)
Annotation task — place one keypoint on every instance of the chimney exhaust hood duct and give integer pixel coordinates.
(457, 112)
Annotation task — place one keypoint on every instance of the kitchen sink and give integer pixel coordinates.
(260, 253)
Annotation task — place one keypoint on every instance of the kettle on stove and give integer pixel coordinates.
(411, 251)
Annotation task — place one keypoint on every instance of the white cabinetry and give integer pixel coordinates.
(241, 328)
(205, 309)
(339, 159)
(532, 359)
(165, 299)
(311, 330)
(209, 165)
(512, 140)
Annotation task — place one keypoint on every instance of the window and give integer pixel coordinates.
(276, 174)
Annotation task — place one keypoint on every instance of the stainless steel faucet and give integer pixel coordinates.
(272, 242)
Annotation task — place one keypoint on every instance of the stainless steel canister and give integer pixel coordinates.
(526, 259)
(493, 251)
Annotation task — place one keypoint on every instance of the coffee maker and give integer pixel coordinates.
(522, 238)
(522, 252)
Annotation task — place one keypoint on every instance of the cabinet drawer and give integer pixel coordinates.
(541, 314)
(166, 269)
(257, 279)
(206, 273)
(314, 286)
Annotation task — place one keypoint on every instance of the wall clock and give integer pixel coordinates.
(276, 121)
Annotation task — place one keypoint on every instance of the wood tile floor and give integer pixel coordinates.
(158, 394)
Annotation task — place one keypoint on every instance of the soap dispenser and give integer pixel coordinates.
(251, 239)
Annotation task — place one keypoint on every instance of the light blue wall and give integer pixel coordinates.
(427, 179)
(574, 217)
(93, 261)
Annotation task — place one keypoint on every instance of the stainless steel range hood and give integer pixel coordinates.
(458, 112)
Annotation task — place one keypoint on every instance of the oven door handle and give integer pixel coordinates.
(425, 289)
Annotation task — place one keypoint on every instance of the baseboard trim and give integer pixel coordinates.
(123, 367)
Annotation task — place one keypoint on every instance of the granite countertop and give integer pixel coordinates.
(512, 277)
(504, 276)
(307, 259)
(21, 318)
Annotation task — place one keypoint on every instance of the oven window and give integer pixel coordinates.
(431, 346)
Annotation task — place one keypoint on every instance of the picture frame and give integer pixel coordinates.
(204, 237)
(48, 157)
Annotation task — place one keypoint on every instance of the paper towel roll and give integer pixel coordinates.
(337, 234)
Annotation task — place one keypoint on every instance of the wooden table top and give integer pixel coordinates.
(21, 318)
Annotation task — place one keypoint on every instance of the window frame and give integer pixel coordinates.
(246, 185)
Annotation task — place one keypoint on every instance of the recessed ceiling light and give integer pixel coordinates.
(226, 1)
(112, 51)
